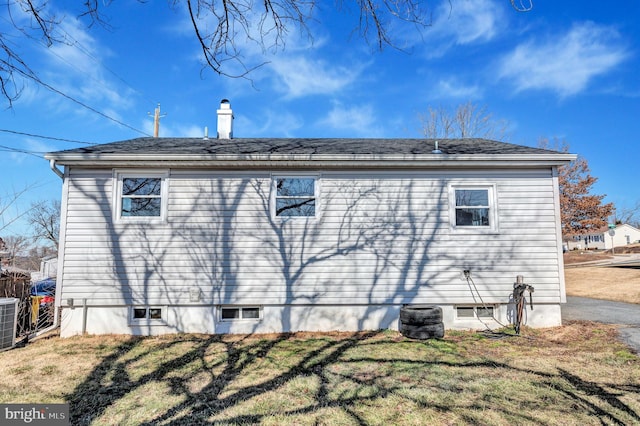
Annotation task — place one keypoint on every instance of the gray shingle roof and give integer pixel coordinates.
(301, 146)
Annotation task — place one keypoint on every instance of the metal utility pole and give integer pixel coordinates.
(156, 121)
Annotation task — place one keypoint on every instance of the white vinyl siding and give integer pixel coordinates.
(382, 238)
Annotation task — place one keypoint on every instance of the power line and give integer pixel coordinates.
(37, 79)
(86, 52)
(38, 154)
(31, 75)
(15, 132)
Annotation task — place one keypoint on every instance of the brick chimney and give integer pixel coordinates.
(225, 120)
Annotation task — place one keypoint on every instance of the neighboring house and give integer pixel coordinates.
(603, 240)
(228, 235)
(48, 268)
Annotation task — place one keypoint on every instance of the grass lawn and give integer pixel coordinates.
(577, 374)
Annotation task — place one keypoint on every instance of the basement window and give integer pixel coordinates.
(141, 196)
(147, 314)
(484, 311)
(231, 313)
(466, 312)
(295, 196)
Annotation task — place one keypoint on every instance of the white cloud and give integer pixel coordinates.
(295, 71)
(272, 122)
(452, 88)
(566, 63)
(78, 50)
(73, 67)
(359, 119)
(459, 22)
(39, 146)
(301, 76)
(79, 68)
(469, 21)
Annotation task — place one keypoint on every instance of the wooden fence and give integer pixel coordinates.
(18, 285)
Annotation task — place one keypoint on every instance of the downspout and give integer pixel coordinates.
(52, 164)
(56, 324)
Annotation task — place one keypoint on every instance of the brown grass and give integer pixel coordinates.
(620, 284)
(578, 374)
(581, 256)
(578, 256)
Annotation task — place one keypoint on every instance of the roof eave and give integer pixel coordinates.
(309, 160)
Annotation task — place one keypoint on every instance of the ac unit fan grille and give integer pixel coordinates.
(8, 318)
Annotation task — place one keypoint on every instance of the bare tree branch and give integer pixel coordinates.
(15, 244)
(6, 216)
(222, 27)
(44, 217)
(629, 215)
(522, 6)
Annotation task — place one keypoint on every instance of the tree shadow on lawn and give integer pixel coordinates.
(331, 361)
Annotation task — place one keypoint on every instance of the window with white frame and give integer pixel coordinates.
(295, 196)
(141, 196)
(231, 313)
(473, 207)
(147, 314)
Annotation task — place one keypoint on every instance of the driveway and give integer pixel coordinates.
(625, 314)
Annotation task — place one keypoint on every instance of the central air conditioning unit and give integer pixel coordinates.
(8, 322)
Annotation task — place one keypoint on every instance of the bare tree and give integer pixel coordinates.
(9, 211)
(629, 215)
(44, 217)
(15, 245)
(468, 120)
(220, 26)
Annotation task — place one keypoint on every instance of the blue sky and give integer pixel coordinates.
(566, 70)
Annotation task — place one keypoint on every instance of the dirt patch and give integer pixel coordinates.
(620, 284)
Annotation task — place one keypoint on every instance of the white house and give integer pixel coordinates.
(48, 269)
(225, 235)
(604, 240)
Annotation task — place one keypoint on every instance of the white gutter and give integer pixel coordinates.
(52, 164)
(311, 160)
